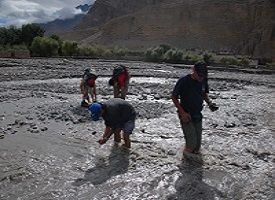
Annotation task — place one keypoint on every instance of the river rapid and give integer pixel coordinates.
(48, 147)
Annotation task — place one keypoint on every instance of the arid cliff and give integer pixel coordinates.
(241, 26)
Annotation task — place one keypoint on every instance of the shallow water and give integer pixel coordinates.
(49, 151)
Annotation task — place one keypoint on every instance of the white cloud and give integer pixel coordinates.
(66, 13)
(18, 12)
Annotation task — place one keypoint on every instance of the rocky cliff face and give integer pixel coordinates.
(238, 26)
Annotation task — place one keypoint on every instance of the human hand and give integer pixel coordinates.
(102, 141)
(185, 117)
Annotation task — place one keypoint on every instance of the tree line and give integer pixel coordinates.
(12, 36)
(31, 37)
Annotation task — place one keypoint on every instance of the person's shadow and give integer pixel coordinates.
(190, 184)
(118, 162)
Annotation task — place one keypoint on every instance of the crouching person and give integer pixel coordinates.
(88, 87)
(118, 115)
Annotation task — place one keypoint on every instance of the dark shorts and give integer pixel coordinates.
(128, 127)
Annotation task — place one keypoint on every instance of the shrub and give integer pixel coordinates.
(42, 46)
(173, 56)
(208, 58)
(69, 48)
(157, 54)
(264, 61)
(244, 62)
(120, 52)
(229, 61)
(107, 54)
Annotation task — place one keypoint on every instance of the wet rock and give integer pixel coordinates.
(80, 120)
(94, 132)
(172, 152)
(157, 96)
(243, 166)
(20, 122)
(29, 117)
(230, 125)
(44, 128)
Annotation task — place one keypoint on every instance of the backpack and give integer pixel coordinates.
(119, 69)
(89, 74)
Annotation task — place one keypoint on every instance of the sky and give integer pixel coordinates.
(19, 12)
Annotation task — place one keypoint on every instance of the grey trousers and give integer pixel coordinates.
(192, 133)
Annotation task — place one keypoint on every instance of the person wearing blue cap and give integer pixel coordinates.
(192, 90)
(118, 115)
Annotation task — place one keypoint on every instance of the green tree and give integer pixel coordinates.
(30, 31)
(4, 36)
(10, 36)
(57, 38)
(43, 46)
(69, 48)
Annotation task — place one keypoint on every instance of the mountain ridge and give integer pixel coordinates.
(242, 27)
(61, 25)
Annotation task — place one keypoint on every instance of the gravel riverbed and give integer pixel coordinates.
(48, 147)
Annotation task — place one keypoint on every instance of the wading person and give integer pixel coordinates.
(192, 89)
(120, 81)
(88, 87)
(118, 115)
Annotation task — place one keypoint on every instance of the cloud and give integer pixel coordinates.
(19, 12)
(66, 13)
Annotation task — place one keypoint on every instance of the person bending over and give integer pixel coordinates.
(118, 115)
(88, 87)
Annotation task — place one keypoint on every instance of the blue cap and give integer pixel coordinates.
(95, 109)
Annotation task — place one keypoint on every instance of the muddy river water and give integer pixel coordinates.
(48, 147)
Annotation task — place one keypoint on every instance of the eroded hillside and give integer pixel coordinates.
(241, 27)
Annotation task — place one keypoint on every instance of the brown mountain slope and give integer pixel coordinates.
(239, 26)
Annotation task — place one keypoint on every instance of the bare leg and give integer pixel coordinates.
(86, 94)
(127, 140)
(117, 136)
